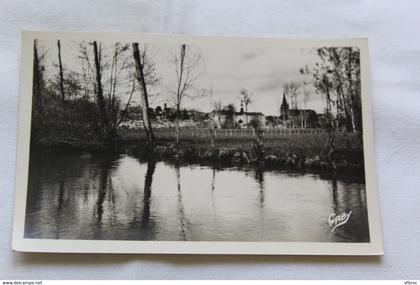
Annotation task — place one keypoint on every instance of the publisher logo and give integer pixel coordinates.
(336, 220)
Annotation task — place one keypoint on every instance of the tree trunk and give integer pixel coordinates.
(212, 134)
(179, 90)
(353, 122)
(61, 71)
(99, 93)
(329, 110)
(177, 122)
(246, 114)
(143, 90)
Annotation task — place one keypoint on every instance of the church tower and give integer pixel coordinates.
(284, 107)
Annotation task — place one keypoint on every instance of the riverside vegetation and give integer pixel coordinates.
(84, 111)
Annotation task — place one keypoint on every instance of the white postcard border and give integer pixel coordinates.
(19, 243)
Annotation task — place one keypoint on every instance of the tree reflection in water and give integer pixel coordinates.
(259, 178)
(60, 204)
(105, 199)
(104, 183)
(185, 225)
(60, 196)
(147, 193)
(346, 199)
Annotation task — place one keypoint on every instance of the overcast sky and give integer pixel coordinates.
(260, 67)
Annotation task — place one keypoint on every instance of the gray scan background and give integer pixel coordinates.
(393, 31)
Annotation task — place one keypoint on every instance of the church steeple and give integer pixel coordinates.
(284, 107)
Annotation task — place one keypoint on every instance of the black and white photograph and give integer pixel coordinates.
(154, 138)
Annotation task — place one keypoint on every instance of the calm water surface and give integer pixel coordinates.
(117, 197)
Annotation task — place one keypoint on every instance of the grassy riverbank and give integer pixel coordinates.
(292, 151)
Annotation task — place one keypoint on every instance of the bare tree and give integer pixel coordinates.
(113, 69)
(99, 91)
(292, 89)
(186, 65)
(143, 90)
(353, 66)
(337, 77)
(218, 107)
(117, 72)
(245, 100)
(38, 81)
(88, 72)
(306, 94)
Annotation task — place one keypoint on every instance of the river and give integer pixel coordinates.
(80, 195)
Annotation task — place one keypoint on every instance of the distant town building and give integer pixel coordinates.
(168, 113)
(274, 122)
(231, 119)
(297, 118)
(249, 119)
(227, 118)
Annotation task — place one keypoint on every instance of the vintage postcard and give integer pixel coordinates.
(195, 145)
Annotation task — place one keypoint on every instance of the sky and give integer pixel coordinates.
(261, 67)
